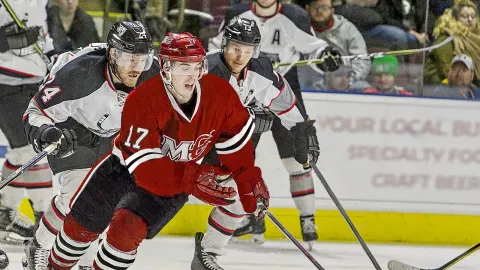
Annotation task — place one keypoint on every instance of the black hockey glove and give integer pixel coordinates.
(17, 39)
(263, 118)
(47, 135)
(306, 142)
(330, 58)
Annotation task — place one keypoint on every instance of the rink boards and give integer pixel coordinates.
(406, 170)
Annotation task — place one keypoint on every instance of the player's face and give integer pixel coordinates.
(321, 11)
(184, 76)
(238, 55)
(129, 66)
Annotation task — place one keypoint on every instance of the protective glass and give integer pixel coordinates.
(133, 61)
(176, 68)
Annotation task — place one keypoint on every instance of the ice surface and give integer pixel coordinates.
(177, 252)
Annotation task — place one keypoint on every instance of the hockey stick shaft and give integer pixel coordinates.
(290, 236)
(370, 55)
(19, 23)
(345, 216)
(396, 265)
(49, 149)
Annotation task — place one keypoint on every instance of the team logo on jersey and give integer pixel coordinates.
(186, 150)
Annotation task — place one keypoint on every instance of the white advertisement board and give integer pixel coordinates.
(390, 154)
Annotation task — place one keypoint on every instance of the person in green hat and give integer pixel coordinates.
(385, 71)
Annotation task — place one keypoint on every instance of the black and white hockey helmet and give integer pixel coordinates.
(128, 39)
(243, 31)
(132, 37)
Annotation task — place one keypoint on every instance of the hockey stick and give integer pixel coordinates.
(396, 265)
(49, 149)
(279, 225)
(20, 24)
(369, 55)
(345, 216)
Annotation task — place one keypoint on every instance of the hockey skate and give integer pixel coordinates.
(253, 226)
(203, 260)
(36, 257)
(15, 227)
(309, 230)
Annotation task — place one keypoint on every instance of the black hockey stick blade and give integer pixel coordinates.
(279, 225)
(396, 265)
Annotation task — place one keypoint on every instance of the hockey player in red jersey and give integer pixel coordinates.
(169, 123)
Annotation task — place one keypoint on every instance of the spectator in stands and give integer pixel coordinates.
(70, 27)
(460, 80)
(461, 21)
(342, 80)
(403, 24)
(385, 71)
(343, 36)
(339, 33)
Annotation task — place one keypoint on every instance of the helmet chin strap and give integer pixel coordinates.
(170, 88)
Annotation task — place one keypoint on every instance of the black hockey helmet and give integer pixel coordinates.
(131, 37)
(129, 40)
(243, 31)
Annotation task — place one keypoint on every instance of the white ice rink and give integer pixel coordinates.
(176, 253)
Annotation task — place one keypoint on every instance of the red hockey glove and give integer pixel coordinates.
(200, 181)
(251, 188)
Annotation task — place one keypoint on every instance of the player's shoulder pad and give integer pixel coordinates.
(81, 76)
(216, 66)
(263, 67)
(217, 85)
(298, 16)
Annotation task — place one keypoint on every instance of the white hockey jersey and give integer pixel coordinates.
(25, 66)
(261, 86)
(285, 35)
(79, 93)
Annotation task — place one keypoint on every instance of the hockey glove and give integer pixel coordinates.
(12, 38)
(263, 118)
(330, 58)
(306, 142)
(47, 135)
(199, 180)
(251, 188)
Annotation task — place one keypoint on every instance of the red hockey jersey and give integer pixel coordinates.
(157, 139)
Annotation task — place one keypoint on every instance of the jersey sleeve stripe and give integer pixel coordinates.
(148, 156)
(238, 141)
(142, 152)
(290, 108)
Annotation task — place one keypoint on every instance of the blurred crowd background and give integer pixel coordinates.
(351, 26)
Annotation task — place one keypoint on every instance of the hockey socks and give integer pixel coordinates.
(127, 230)
(70, 244)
